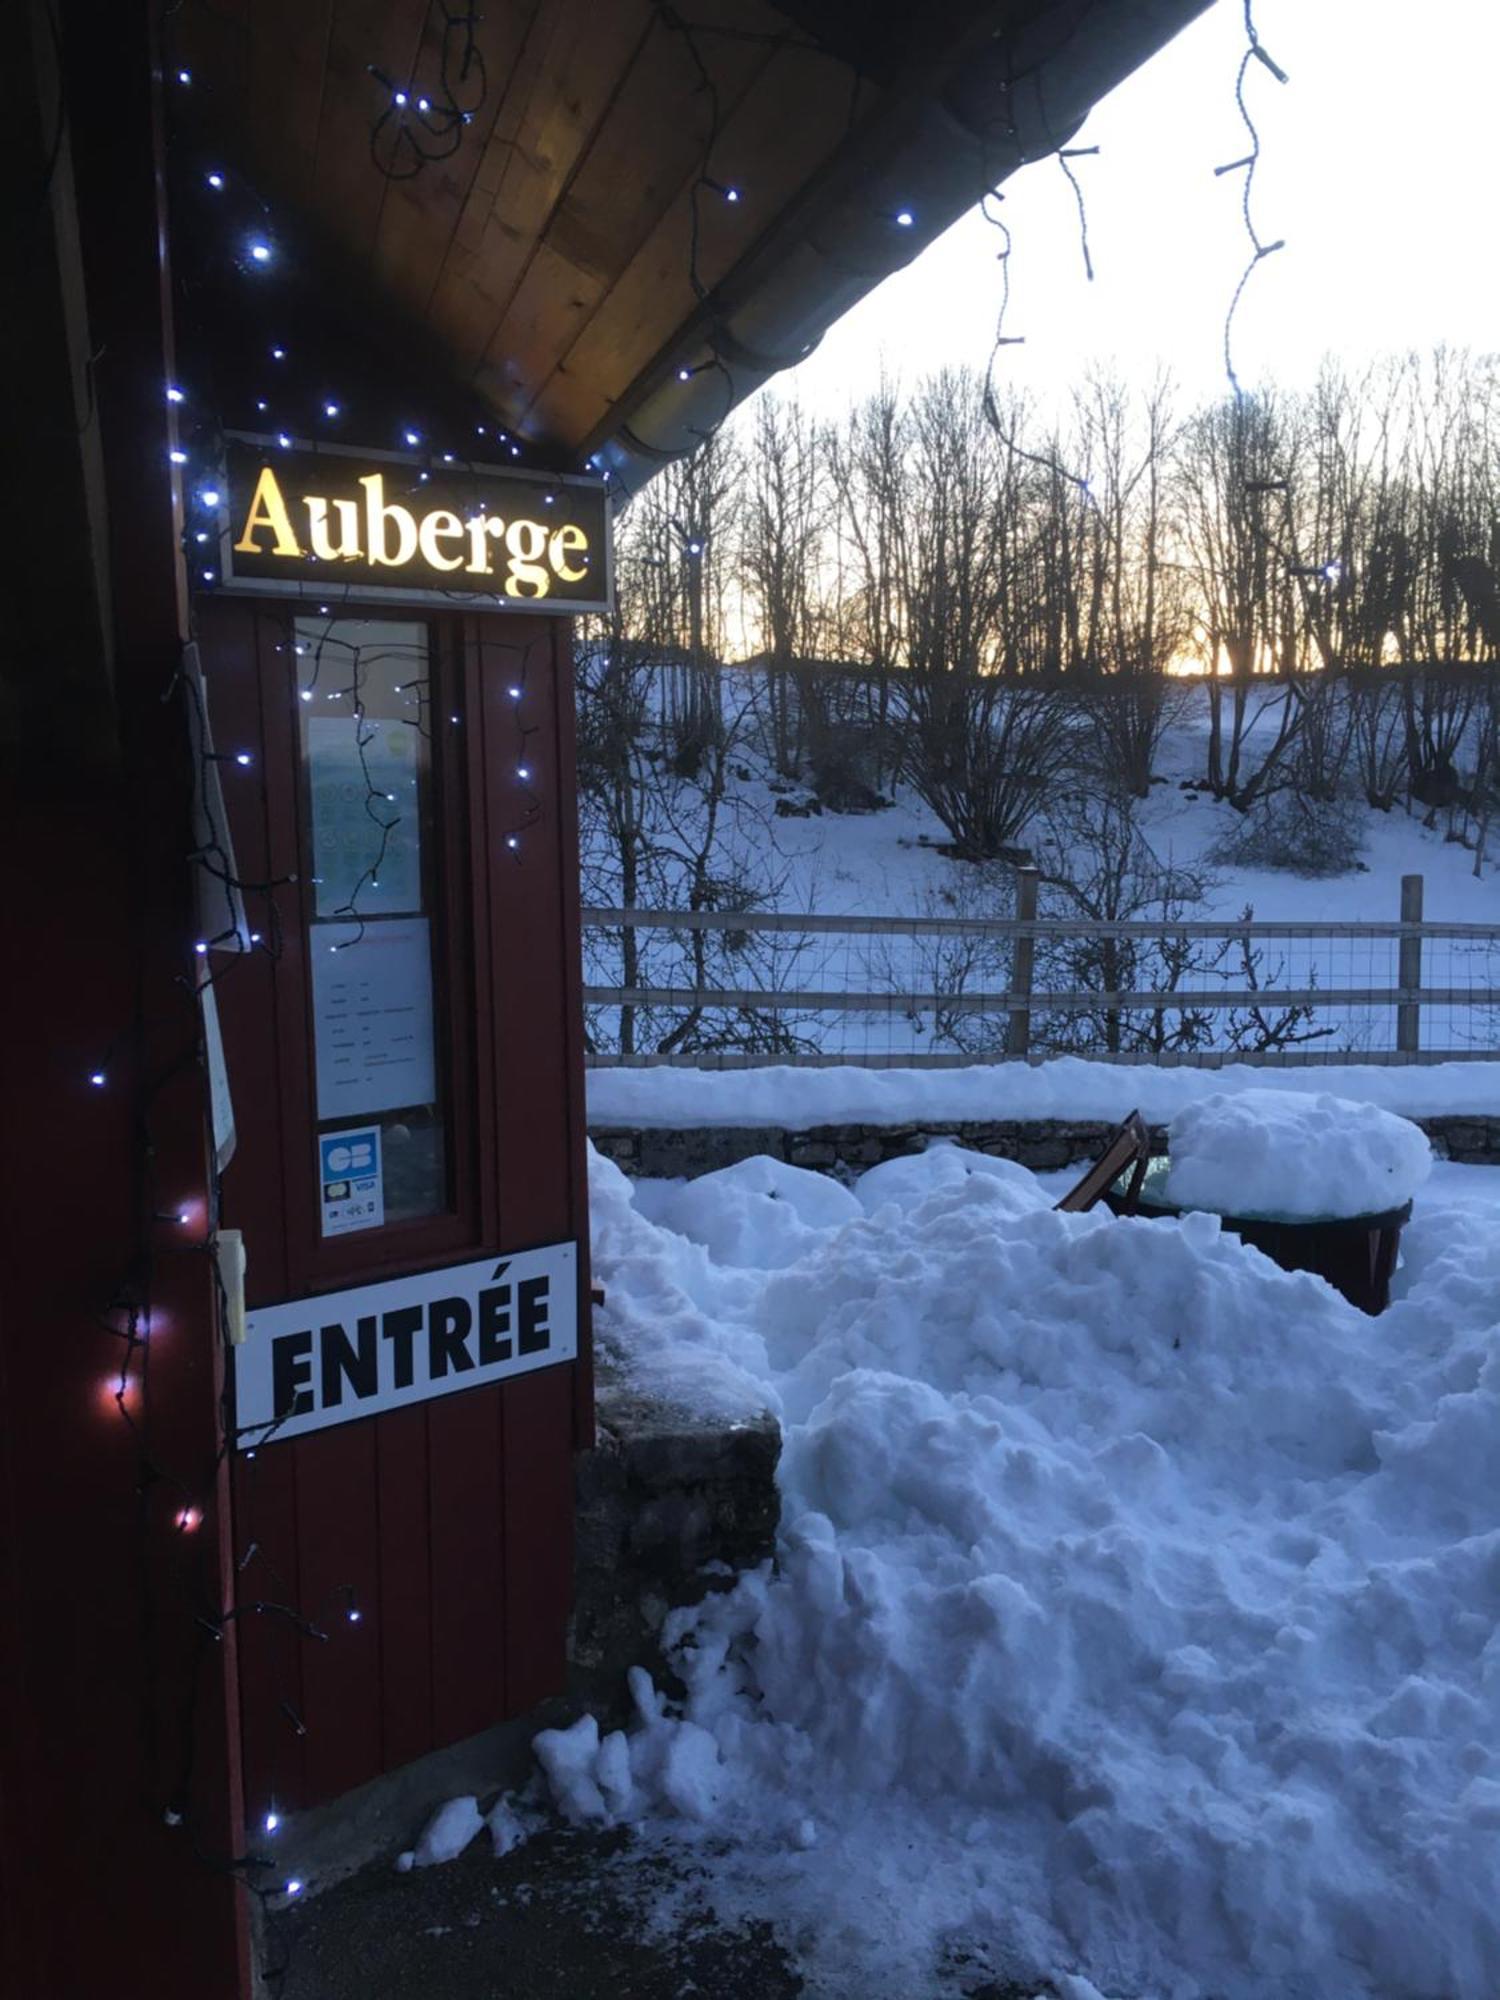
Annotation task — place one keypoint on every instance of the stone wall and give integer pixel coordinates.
(670, 1506)
(1041, 1144)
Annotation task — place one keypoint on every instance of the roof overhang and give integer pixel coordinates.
(575, 260)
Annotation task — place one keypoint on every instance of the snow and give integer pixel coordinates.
(891, 860)
(447, 1833)
(1263, 1152)
(1133, 1629)
(758, 1213)
(1066, 1088)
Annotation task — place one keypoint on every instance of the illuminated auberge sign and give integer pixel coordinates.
(405, 530)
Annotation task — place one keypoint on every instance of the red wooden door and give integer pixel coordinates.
(410, 1573)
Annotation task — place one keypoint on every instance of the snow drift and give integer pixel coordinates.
(1136, 1612)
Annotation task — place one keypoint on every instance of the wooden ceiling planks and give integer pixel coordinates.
(348, 190)
(565, 82)
(549, 256)
(419, 215)
(642, 158)
(781, 133)
(288, 60)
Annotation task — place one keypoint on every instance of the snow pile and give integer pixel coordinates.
(1263, 1152)
(445, 1835)
(1135, 1617)
(758, 1214)
(1064, 1087)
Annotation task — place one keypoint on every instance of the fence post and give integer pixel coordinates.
(1409, 969)
(1018, 1034)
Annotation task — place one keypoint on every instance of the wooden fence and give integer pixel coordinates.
(1402, 951)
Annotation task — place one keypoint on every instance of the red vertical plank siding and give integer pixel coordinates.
(448, 1524)
(271, 1647)
(570, 945)
(404, 1630)
(338, 1543)
(538, 1534)
(466, 1529)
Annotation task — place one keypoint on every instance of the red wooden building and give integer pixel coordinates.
(340, 326)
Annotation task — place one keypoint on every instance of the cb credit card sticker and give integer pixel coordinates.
(350, 1182)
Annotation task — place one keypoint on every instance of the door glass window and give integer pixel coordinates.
(370, 851)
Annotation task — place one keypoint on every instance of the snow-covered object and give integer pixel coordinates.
(1068, 1087)
(1265, 1152)
(1135, 1616)
(758, 1214)
(507, 1829)
(911, 1179)
(569, 1758)
(447, 1833)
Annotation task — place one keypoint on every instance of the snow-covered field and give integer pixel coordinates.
(890, 864)
(889, 861)
(1134, 1624)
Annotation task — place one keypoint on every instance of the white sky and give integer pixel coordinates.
(1378, 168)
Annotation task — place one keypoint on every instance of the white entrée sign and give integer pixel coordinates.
(352, 1354)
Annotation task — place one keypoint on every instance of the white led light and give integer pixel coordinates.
(97, 1078)
(271, 1821)
(210, 496)
(243, 757)
(904, 218)
(263, 405)
(178, 457)
(260, 253)
(208, 576)
(511, 841)
(278, 354)
(215, 180)
(201, 536)
(283, 440)
(294, 1886)
(424, 104)
(307, 694)
(731, 194)
(400, 98)
(412, 437)
(523, 770)
(330, 409)
(174, 394)
(200, 947)
(184, 76)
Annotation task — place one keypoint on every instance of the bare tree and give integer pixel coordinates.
(783, 528)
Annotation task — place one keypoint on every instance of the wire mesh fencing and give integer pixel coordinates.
(754, 987)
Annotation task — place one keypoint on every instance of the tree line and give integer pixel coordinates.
(949, 589)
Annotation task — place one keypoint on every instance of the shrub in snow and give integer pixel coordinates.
(1288, 829)
(1269, 1152)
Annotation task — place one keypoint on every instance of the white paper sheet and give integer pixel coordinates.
(372, 1016)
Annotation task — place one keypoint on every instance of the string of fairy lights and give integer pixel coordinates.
(416, 124)
(240, 918)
